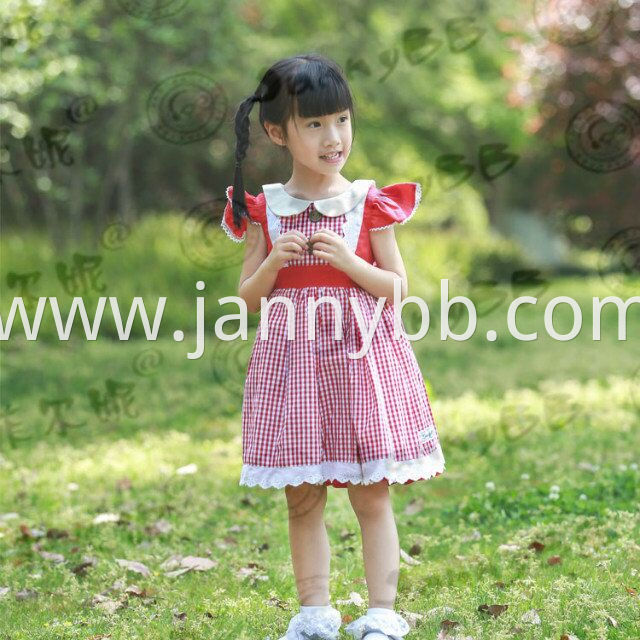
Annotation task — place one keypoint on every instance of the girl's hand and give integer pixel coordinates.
(329, 246)
(291, 245)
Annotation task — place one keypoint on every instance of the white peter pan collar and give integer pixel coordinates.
(283, 204)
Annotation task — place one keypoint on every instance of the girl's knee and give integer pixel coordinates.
(369, 499)
(305, 499)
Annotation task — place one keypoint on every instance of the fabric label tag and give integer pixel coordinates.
(426, 434)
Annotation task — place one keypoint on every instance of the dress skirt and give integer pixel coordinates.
(312, 414)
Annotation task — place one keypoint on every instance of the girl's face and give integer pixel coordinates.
(309, 139)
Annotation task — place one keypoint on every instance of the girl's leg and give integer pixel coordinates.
(309, 542)
(380, 546)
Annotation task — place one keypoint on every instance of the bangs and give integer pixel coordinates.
(318, 91)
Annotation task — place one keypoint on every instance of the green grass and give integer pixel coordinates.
(523, 416)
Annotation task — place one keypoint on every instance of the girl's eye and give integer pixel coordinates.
(316, 121)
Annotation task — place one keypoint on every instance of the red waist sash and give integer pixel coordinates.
(313, 276)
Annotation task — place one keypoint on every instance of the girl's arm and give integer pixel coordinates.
(378, 280)
(258, 275)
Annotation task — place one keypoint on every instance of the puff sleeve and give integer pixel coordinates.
(393, 204)
(255, 207)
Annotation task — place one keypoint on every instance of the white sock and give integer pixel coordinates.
(312, 608)
(378, 610)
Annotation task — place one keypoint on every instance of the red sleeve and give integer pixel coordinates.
(255, 207)
(393, 204)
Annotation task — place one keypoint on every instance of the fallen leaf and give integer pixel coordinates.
(4, 591)
(447, 625)
(198, 564)
(538, 546)
(354, 598)
(415, 550)
(158, 527)
(101, 518)
(493, 609)
(54, 557)
(187, 469)
(236, 528)
(57, 533)
(81, 569)
(132, 565)
(411, 617)
(26, 594)
(531, 616)
(554, 560)
(612, 621)
(408, 559)
(171, 562)
(11, 515)
(276, 602)
(177, 572)
(440, 612)
(106, 604)
(32, 534)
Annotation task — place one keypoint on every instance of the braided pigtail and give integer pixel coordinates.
(239, 204)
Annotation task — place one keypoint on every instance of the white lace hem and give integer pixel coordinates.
(415, 207)
(357, 473)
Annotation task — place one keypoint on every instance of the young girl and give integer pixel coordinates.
(313, 415)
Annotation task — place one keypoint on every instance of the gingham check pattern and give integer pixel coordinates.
(306, 403)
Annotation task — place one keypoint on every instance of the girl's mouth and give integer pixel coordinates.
(332, 158)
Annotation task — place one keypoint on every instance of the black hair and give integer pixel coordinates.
(309, 85)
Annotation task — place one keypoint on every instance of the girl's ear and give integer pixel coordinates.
(274, 132)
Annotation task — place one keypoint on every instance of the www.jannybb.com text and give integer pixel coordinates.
(91, 328)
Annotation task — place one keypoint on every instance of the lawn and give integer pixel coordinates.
(120, 461)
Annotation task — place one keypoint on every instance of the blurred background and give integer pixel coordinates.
(521, 121)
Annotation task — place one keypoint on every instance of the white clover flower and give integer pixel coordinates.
(553, 496)
(554, 488)
(634, 466)
(524, 476)
(583, 496)
(490, 486)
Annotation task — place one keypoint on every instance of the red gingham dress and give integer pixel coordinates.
(309, 412)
